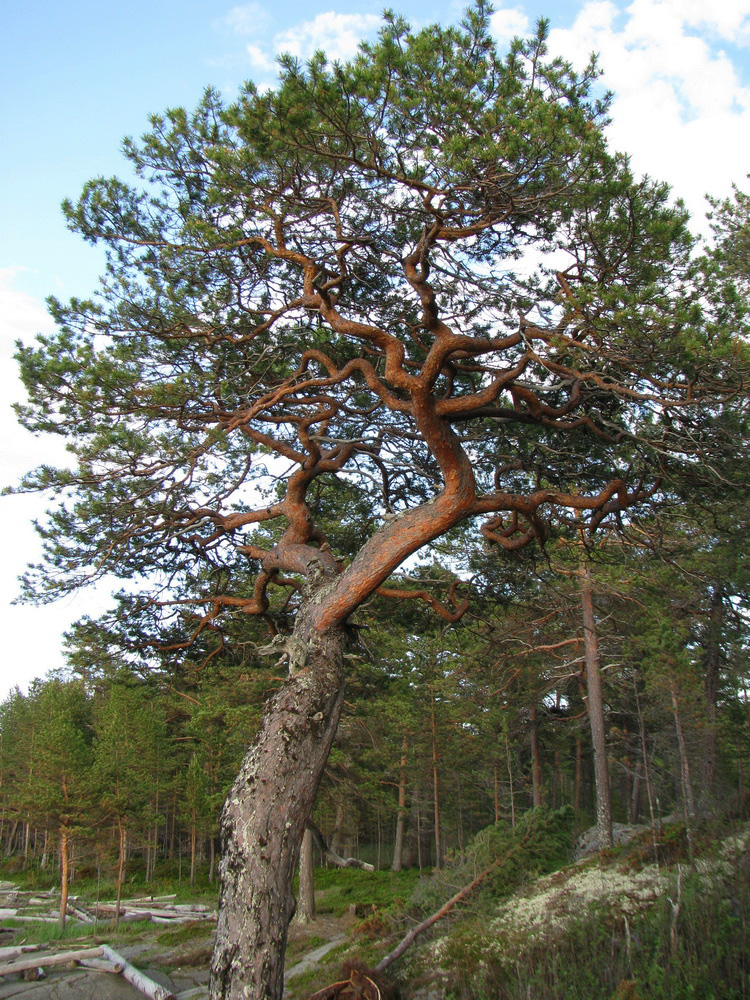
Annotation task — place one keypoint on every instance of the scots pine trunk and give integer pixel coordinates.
(306, 902)
(435, 782)
(264, 817)
(685, 781)
(712, 668)
(122, 849)
(536, 760)
(398, 848)
(595, 707)
(64, 872)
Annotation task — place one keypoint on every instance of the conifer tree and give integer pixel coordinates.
(60, 782)
(337, 281)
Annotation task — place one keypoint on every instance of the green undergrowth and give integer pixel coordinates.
(195, 929)
(704, 954)
(41, 932)
(337, 889)
(539, 843)
(102, 884)
(692, 942)
(326, 972)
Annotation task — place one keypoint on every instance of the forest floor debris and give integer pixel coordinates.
(174, 956)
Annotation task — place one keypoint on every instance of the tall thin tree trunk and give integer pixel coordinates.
(509, 761)
(211, 858)
(306, 902)
(595, 707)
(265, 814)
(635, 800)
(411, 856)
(685, 782)
(537, 790)
(193, 844)
(11, 839)
(398, 847)
(337, 837)
(65, 872)
(435, 781)
(123, 845)
(712, 673)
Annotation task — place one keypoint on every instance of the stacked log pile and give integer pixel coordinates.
(158, 909)
(34, 959)
(16, 904)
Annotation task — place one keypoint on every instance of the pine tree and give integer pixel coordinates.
(336, 281)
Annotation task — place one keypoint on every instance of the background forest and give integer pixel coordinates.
(447, 728)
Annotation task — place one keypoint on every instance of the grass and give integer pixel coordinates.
(697, 949)
(339, 888)
(187, 932)
(41, 932)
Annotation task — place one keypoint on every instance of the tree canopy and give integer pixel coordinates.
(408, 292)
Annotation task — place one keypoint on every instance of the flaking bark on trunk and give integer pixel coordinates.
(264, 818)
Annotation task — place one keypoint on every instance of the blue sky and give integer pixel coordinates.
(76, 77)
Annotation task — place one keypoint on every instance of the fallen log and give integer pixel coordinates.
(159, 919)
(331, 855)
(445, 909)
(147, 899)
(83, 915)
(137, 978)
(36, 920)
(100, 965)
(172, 915)
(165, 908)
(6, 954)
(57, 958)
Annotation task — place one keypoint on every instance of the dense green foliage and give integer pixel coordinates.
(700, 950)
(541, 842)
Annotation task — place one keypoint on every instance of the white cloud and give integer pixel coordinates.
(338, 35)
(23, 317)
(680, 109)
(509, 23)
(260, 58)
(247, 19)
(727, 19)
(32, 635)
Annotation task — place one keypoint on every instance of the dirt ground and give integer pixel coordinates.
(181, 968)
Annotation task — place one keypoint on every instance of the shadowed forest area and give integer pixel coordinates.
(446, 728)
(113, 775)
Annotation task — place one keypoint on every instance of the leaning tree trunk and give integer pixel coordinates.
(264, 817)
